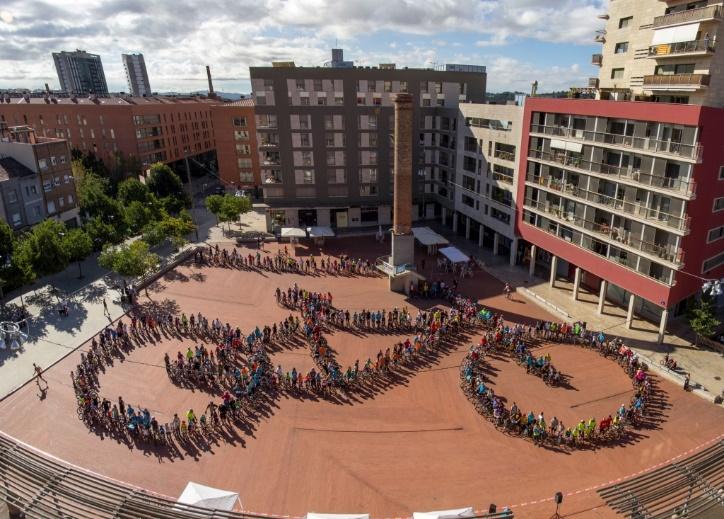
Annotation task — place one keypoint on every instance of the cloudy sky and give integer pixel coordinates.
(519, 40)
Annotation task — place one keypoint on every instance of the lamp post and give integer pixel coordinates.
(191, 193)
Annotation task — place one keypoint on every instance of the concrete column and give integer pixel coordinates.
(576, 283)
(480, 237)
(444, 214)
(554, 270)
(467, 228)
(531, 267)
(513, 251)
(662, 326)
(496, 243)
(629, 314)
(455, 218)
(602, 296)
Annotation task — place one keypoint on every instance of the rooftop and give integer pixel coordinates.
(11, 168)
(105, 101)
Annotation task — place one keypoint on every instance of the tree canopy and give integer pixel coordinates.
(702, 317)
(163, 182)
(227, 208)
(78, 245)
(129, 259)
(45, 247)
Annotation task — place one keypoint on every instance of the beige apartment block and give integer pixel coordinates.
(662, 50)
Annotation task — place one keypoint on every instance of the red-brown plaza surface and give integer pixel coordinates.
(413, 444)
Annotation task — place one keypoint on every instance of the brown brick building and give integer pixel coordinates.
(149, 129)
(39, 179)
(236, 143)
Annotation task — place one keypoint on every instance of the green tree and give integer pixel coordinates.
(15, 268)
(7, 242)
(78, 245)
(129, 259)
(213, 204)
(163, 182)
(101, 233)
(138, 216)
(702, 318)
(169, 228)
(231, 207)
(133, 190)
(45, 247)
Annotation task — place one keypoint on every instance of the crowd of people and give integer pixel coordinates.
(516, 341)
(283, 261)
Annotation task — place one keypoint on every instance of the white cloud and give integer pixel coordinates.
(511, 74)
(179, 37)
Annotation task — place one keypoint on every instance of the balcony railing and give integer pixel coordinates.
(629, 173)
(592, 82)
(268, 144)
(674, 81)
(505, 155)
(711, 12)
(684, 47)
(597, 59)
(666, 252)
(503, 178)
(613, 204)
(693, 151)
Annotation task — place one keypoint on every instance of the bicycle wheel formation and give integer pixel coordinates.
(584, 434)
(242, 370)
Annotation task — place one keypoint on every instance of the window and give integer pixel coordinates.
(318, 85)
(368, 190)
(70, 200)
(371, 86)
(403, 86)
(240, 122)
(713, 263)
(31, 190)
(668, 70)
(12, 196)
(361, 101)
(51, 207)
(470, 164)
(307, 158)
(304, 101)
(388, 86)
(499, 215)
(625, 22)
(337, 176)
(36, 211)
(243, 149)
(339, 101)
(61, 202)
(469, 201)
(322, 101)
(468, 183)
(372, 122)
(16, 219)
(377, 101)
(426, 102)
(718, 204)
(304, 176)
(367, 175)
(617, 73)
(246, 177)
(241, 135)
(715, 234)
(621, 47)
(305, 121)
(243, 163)
(43, 163)
(305, 140)
(300, 84)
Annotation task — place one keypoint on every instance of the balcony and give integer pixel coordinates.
(597, 60)
(711, 12)
(613, 235)
(677, 149)
(668, 50)
(654, 217)
(592, 82)
(628, 174)
(677, 82)
(268, 144)
(506, 179)
(504, 155)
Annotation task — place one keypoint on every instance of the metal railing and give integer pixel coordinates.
(679, 185)
(634, 209)
(505, 155)
(666, 252)
(597, 59)
(693, 151)
(677, 80)
(684, 47)
(688, 16)
(502, 178)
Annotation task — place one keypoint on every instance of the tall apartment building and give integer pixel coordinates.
(148, 129)
(136, 75)
(624, 197)
(36, 180)
(666, 51)
(236, 143)
(488, 142)
(80, 73)
(324, 138)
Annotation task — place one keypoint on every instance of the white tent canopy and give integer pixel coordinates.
(445, 514)
(208, 497)
(293, 232)
(320, 232)
(314, 515)
(565, 145)
(428, 237)
(454, 255)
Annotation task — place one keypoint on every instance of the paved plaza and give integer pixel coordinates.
(412, 443)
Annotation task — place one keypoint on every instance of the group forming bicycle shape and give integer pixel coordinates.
(238, 369)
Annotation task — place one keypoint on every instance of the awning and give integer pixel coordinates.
(320, 232)
(208, 497)
(677, 34)
(427, 236)
(293, 232)
(565, 145)
(314, 515)
(445, 514)
(454, 254)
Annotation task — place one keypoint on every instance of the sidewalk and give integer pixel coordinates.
(706, 367)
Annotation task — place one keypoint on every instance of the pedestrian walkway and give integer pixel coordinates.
(706, 367)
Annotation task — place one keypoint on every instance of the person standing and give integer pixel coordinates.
(105, 308)
(39, 375)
